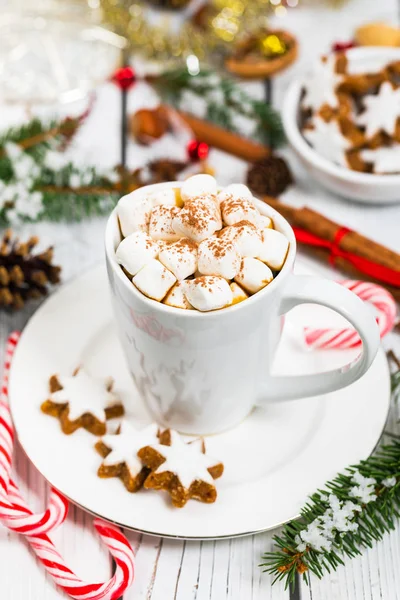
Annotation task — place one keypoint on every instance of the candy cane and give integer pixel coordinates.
(66, 579)
(15, 514)
(384, 303)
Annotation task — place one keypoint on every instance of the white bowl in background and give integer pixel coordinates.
(362, 187)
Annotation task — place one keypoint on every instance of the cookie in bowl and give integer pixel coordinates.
(343, 122)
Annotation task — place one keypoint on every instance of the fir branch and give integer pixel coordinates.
(36, 133)
(21, 133)
(224, 100)
(75, 205)
(95, 195)
(36, 183)
(366, 505)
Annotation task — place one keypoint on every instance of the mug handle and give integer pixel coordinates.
(302, 290)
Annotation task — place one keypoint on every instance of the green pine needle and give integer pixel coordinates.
(33, 128)
(225, 99)
(94, 195)
(70, 206)
(376, 518)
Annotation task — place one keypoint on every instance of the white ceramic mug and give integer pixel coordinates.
(202, 373)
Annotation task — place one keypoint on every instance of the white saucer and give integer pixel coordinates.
(273, 460)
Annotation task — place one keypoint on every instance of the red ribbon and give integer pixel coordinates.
(363, 265)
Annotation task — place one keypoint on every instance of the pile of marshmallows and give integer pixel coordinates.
(198, 247)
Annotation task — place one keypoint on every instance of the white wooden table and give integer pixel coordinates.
(179, 570)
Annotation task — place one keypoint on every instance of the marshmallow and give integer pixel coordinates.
(197, 220)
(235, 210)
(238, 293)
(160, 226)
(265, 222)
(166, 196)
(154, 280)
(208, 293)
(176, 296)
(136, 251)
(235, 191)
(253, 275)
(219, 257)
(133, 213)
(198, 185)
(274, 248)
(162, 245)
(245, 236)
(180, 258)
(211, 201)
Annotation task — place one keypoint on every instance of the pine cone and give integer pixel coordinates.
(269, 176)
(24, 275)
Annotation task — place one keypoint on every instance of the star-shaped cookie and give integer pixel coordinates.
(328, 141)
(120, 454)
(321, 85)
(81, 400)
(384, 160)
(381, 111)
(184, 470)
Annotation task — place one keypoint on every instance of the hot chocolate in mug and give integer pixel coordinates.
(202, 373)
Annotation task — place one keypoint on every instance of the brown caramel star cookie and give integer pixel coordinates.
(356, 162)
(82, 401)
(120, 454)
(363, 83)
(183, 470)
(352, 132)
(344, 109)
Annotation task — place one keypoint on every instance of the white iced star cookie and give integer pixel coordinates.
(321, 85)
(328, 141)
(384, 160)
(381, 111)
(81, 400)
(184, 470)
(120, 454)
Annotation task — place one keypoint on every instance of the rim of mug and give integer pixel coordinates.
(112, 228)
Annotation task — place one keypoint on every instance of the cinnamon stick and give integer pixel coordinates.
(353, 242)
(344, 266)
(220, 138)
(97, 190)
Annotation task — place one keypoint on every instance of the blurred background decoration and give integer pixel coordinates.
(179, 28)
(53, 50)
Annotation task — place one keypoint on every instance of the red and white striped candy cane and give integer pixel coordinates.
(381, 299)
(16, 515)
(13, 516)
(66, 579)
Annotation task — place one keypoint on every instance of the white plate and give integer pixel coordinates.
(273, 460)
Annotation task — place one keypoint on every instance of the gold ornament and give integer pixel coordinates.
(272, 45)
(262, 54)
(216, 26)
(169, 35)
